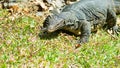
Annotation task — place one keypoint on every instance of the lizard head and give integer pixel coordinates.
(58, 21)
(53, 23)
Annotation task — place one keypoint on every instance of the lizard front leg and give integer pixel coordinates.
(85, 33)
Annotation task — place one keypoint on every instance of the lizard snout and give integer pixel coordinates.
(51, 29)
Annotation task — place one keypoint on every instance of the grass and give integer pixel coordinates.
(21, 46)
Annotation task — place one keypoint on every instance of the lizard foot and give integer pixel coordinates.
(116, 30)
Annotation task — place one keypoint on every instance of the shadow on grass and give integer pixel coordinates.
(55, 34)
(45, 35)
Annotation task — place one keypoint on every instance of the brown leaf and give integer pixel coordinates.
(77, 46)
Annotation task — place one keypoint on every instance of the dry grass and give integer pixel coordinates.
(21, 46)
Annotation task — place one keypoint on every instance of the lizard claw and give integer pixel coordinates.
(116, 30)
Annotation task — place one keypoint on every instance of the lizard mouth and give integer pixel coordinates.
(56, 27)
(51, 30)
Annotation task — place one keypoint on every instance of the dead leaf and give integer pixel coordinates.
(77, 46)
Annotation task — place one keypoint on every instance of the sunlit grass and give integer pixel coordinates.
(21, 46)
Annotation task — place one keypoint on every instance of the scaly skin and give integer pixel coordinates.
(80, 17)
(117, 6)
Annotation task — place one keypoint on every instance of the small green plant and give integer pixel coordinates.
(21, 46)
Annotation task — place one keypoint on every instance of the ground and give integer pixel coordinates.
(21, 46)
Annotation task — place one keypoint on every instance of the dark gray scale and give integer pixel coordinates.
(85, 15)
